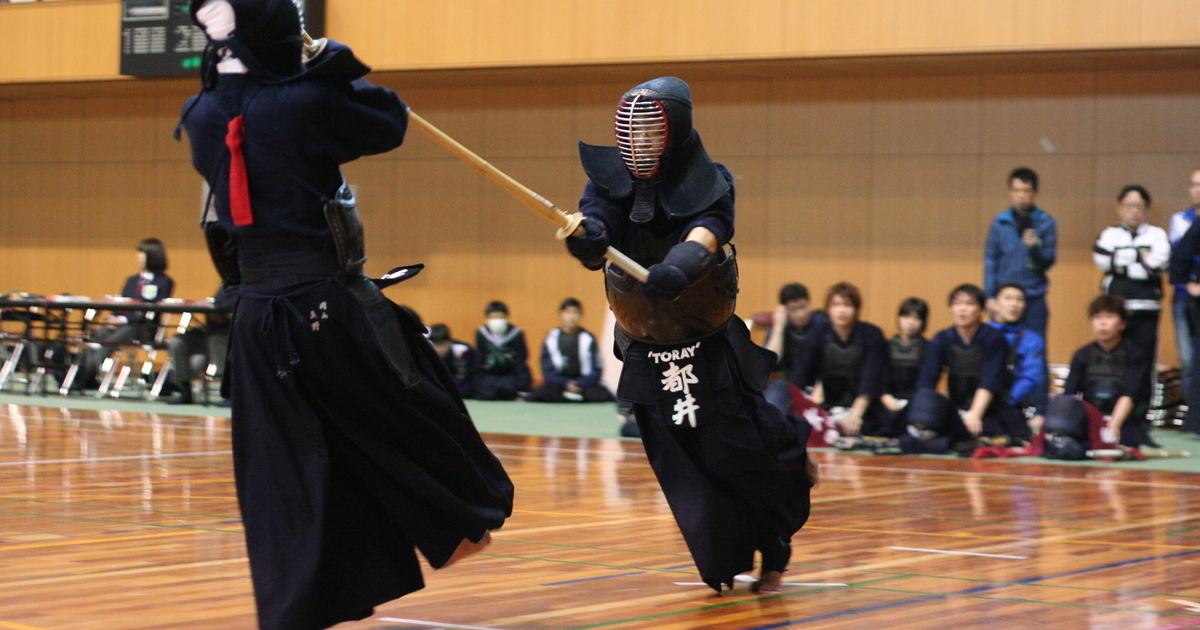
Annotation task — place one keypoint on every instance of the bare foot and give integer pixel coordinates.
(468, 548)
(813, 471)
(768, 582)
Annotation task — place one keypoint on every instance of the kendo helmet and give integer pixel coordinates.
(653, 119)
(266, 37)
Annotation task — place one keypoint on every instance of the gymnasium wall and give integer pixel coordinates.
(80, 39)
(883, 173)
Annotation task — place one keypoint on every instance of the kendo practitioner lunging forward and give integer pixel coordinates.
(732, 466)
(351, 444)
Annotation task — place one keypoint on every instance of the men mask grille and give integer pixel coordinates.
(641, 125)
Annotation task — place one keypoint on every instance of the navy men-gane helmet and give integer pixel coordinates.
(653, 119)
(266, 38)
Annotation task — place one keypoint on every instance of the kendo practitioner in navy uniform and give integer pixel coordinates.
(849, 359)
(733, 467)
(973, 356)
(351, 444)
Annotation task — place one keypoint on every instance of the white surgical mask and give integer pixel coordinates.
(497, 325)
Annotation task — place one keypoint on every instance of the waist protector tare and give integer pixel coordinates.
(699, 311)
(1105, 371)
(840, 369)
(965, 370)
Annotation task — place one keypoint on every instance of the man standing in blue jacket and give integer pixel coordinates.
(1021, 247)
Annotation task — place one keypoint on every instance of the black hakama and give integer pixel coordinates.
(341, 468)
(731, 465)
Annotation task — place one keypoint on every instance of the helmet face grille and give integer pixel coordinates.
(641, 125)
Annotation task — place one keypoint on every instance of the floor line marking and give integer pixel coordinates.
(89, 541)
(593, 579)
(831, 573)
(436, 624)
(77, 460)
(1191, 606)
(960, 553)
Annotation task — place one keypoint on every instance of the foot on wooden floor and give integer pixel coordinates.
(768, 582)
(468, 548)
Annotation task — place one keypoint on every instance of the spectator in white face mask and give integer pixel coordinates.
(503, 356)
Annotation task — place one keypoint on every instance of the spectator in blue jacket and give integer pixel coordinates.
(1185, 272)
(1021, 248)
(1026, 354)
(1180, 222)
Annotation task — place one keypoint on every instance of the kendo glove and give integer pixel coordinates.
(680, 269)
(591, 246)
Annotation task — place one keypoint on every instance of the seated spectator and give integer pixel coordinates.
(1133, 255)
(905, 351)
(571, 362)
(973, 357)
(503, 355)
(1026, 362)
(845, 361)
(202, 344)
(458, 356)
(151, 284)
(792, 320)
(1113, 374)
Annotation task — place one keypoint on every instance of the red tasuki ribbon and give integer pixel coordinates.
(239, 185)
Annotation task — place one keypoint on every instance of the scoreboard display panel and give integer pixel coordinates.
(158, 37)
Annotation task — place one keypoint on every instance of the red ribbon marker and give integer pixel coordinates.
(239, 185)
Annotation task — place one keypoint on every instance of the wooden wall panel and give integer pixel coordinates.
(1051, 23)
(950, 24)
(916, 205)
(61, 41)
(744, 101)
(519, 123)
(1170, 20)
(6, 131)
(80, 40)
(1148, 112)
(819, 220)
(822, 116)
(840, 26)
(408, 34)
(121, 126)
(1047, 112)
(532, 29)
(47, 130)
(928, 115)
(44, 226)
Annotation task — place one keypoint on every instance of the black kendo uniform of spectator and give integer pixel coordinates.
(732, 466)
(904, 366)
(981, 364)
(848, 369)
(351, 445)
(1102, 378)
(503, 363)
(458, 357)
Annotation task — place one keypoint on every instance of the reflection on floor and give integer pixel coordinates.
(122, 520)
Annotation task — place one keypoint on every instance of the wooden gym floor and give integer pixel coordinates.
(118, 520)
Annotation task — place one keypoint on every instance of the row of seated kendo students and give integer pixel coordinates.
(882, 394)
(497, 367)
